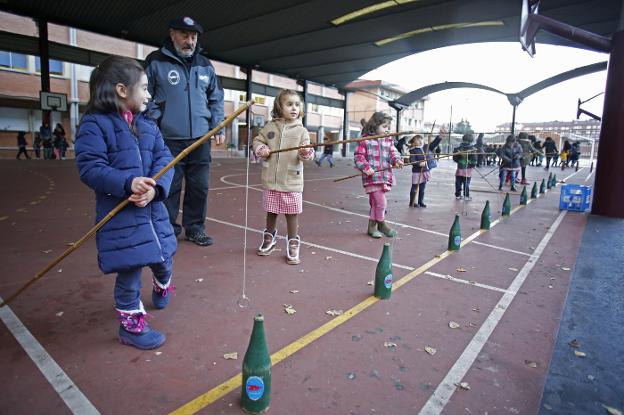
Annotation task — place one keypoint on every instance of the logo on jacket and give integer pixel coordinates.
(203, 78)
(271, 135)
(173, 77)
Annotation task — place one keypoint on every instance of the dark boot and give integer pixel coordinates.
(385, 229)
(135, 331)
(372, 229)
(412, 198)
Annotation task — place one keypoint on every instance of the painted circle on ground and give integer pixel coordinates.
(254, 388)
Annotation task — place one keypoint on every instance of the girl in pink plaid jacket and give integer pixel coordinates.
(375, 158)
(282, 173)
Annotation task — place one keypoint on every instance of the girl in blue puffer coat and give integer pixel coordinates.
(118, 150)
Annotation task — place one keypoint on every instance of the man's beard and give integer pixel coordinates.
(184, 53)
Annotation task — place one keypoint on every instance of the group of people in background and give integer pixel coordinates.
(54, 143)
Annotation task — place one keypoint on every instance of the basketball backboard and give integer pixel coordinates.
(53, 101)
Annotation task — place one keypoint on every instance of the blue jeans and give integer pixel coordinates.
(502, 174)
(461, 181)
(329, 157)
(128, 285)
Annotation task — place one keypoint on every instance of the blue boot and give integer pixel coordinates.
(161, 293)
(135, 331)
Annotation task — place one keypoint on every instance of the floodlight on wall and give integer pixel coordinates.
(438, 28)
(368, 10)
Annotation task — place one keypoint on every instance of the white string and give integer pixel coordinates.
(243, 301)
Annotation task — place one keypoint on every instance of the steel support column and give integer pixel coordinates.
(609, 184)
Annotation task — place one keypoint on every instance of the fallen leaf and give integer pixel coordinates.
(463, 385)
(328, 258)
(60, 270)
(574, 343)
(513, 269)
(71, 243)
(313, 253)
(371, 282)
(289, 309)
(472, 282)
(453, 324)
(59, 314)
(47, 251)
(294, 291)
(501, 306)
(231, 356)
(302, 271)
(199, 280)
(565, 268)
(3, 218)
(334, 313)
(460, 269)
(476, 309)
(579, 354)
(157, 353)
(530, 363)
(472, 324)
(430, 350)
(550, 286)
(611, 410)
(390, 345)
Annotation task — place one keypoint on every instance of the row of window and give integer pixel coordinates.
(19, 61)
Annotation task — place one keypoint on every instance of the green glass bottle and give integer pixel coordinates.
(506, 206)
(256, 388)
(454, 241)
(485, 216)
(543, 187)
(534, 191)
(549, 183)
(523, 196)
(554, 180)
(383, 274)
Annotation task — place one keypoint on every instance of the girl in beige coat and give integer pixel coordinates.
(282, 173)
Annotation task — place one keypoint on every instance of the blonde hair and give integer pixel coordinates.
(375, 121)
(277, 110)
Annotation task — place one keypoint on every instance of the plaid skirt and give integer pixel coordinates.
(418, 177)
(290, 203)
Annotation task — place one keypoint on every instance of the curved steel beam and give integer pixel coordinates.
(514, 98)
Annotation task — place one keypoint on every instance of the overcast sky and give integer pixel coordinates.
(506, 67)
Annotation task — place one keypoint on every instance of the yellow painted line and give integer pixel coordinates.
(235, 382)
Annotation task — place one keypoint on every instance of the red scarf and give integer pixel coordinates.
(127, 115)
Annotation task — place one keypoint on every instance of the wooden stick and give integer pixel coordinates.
(352, 140)
(123, 204)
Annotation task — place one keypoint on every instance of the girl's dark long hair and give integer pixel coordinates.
(112, 71)
(375, 121)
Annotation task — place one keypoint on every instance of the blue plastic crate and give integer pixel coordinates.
(575, 197)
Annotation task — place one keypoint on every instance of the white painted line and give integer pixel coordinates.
(501, 248)
(347, 212)
(338, 251)
(441, 396)
(588, 176)
(578, 171)
(473, 283)
(62, 384)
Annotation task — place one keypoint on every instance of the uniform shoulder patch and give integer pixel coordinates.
(271, 135)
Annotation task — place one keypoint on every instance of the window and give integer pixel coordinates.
(13, 60)
(56, 67)
(314, 108)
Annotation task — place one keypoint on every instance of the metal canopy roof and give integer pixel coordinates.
(297, 38)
